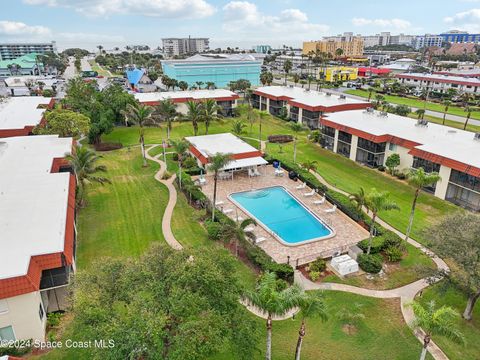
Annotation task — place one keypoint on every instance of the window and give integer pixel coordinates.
(41, 312)
(392, 147)
(6, 333)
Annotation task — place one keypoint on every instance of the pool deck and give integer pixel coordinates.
(347, 231)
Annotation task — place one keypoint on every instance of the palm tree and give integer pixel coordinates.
(273, 301)
(376, 202)
(378, 100)
(359, 198)
(141, 115)
(447, 104)
(209, 112)
(199, 84)
(236, 230)
(296, 79)
(183, 85)
(310, 165)
(468, 109)
(210, 85)
(167, 110)
(261, 115)
(193, 114)
(436, 321)
(338, 52)
(84, 163)
(296, 128)
(310, 304)
(420, 113)
(238, 127)
(180, 147)
(287, 66)
(419, 179)
(216, 163)
(370, 92)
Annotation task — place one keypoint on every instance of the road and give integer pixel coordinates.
(456, 118)
(70, 72)
(85, 65)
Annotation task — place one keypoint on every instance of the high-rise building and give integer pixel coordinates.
(456, 36)
(348, 44)
(427, 40)
(183, 46)
(9, 51)
(385, 38)
(262, 49)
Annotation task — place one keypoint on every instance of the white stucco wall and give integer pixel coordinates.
(23, 316)
(442, 185)
(353, 147)
(406, 160)
(335, 142)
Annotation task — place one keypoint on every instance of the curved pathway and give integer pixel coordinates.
(406, 293)
(172, 200)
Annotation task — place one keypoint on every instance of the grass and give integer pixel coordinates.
(382, 335)
(403, 273)
(470, 329)
(453, 110)
(101, 71)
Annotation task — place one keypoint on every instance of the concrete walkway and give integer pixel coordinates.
(406, 293)
(172, 200)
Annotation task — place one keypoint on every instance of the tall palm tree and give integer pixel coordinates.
(273, 301)
(140, 115)
(468, 109)
(238, 127)
(180, 147)
(420, 113)
(216, 163)
(261, 115)
(248, 112)
(311, 304)
(376, 202)
(359, 198)
(296, 128)
(193, 114)
(436, 321)
(84, 163)
(446, 105)
(287, 66)
(379, 99)
(296, 79)
(209, 111)
(419, 179)
(167, 110)
(237, 231)
(310, 165)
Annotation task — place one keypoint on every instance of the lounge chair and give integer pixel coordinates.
(227, 211)
(311, 193)
(260, 239)
(302, 186)
(251, 173)
(220, 202)
(332, 210)
(249, 228)
(279, 172)
(239, 218)
(319, 202)
(256, 172)
(202, 180)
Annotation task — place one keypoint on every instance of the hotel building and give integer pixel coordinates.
(441, 83)
(10, 51)
(302, 105)
(37, 232)
(351, 47)
(370, 137)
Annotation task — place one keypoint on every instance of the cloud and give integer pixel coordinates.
(397, 24)
(89, 37)
(243, 17)
(467, 20)
(156, 8)
(15, 28)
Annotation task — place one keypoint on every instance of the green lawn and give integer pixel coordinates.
(454, 110)
(470, 329)
(101, 71)
(382, 335)
(403, 273)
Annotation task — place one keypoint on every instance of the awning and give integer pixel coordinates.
(243, 163)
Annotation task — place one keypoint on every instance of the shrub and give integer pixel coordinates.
(281, 284)
(401, 175)
(314, 275)
(391, 240)
(377, 245)
(261, 259)
(370, 263)
(189, 163)
(381, 168)
(394, 254)
(214, 230)
(53, 319)
(318, 265)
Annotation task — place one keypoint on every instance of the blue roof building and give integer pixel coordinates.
(134, 76)
(460, 37)
(217, 68)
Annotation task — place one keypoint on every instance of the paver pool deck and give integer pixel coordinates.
(347, 231)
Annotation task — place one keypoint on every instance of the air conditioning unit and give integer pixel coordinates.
(383, 113)
(422, 123)
(342, 97)
(328, 94)
(476, 136)
(370, 110)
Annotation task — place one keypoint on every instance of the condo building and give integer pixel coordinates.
(350, 46)
(10, 51)
(183, 46)
(302, 105)
(441, 83)
(370, 137)
(37, 232)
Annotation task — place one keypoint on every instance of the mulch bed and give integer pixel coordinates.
(323, 275)
(107, 146)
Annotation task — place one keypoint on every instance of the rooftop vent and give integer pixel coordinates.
(382, 114)
(290, 86)
(342, 97)
(370, 110)
(476, 136)
(328, 94)
(422, 123)
(452, 131)
(306, 90)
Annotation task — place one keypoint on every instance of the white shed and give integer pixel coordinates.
(344, 265)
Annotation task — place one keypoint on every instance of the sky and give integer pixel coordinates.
(88, 23)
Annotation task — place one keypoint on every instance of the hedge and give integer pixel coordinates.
(370, 263)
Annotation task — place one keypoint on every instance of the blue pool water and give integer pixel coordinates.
(275, 208)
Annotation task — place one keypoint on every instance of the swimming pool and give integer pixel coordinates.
(278, 211)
